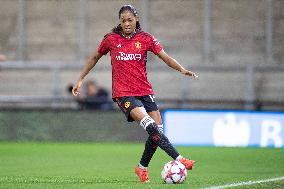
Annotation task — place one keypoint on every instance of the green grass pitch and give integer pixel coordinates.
(104, 165)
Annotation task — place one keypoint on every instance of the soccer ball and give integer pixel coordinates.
(174, 172)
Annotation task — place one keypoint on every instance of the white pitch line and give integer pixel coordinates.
(245, 183)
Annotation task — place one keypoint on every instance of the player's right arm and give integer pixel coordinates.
(91, 62)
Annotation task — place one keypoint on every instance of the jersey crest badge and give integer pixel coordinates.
(138, 45)
(127, 104)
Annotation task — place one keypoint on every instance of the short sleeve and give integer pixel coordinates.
(155, 46)
(104, 46)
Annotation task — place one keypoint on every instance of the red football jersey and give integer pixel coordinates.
(128, 59)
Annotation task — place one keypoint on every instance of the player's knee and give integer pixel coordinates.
(152, 128)
(146, 121)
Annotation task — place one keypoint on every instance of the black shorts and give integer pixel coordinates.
(128, 103)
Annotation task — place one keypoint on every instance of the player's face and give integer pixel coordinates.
(128, 22)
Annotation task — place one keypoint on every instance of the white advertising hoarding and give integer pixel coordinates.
(224, 128)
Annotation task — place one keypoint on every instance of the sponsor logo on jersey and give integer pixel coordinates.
(128, 56)
(126, 104)
(138, 45)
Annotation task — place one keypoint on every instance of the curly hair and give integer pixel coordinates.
(123, 9)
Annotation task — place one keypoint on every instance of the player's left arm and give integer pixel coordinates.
(171, 62)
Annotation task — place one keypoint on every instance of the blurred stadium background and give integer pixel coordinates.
(236, 47)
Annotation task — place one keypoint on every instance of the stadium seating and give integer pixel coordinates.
(237, 39)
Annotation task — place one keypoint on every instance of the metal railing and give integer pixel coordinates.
(183, 101)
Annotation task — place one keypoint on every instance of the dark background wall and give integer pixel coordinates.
(68, 126)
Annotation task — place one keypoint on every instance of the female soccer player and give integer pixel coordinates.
(128, 46)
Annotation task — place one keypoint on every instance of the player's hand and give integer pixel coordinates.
(189, 73)
(76, 88)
